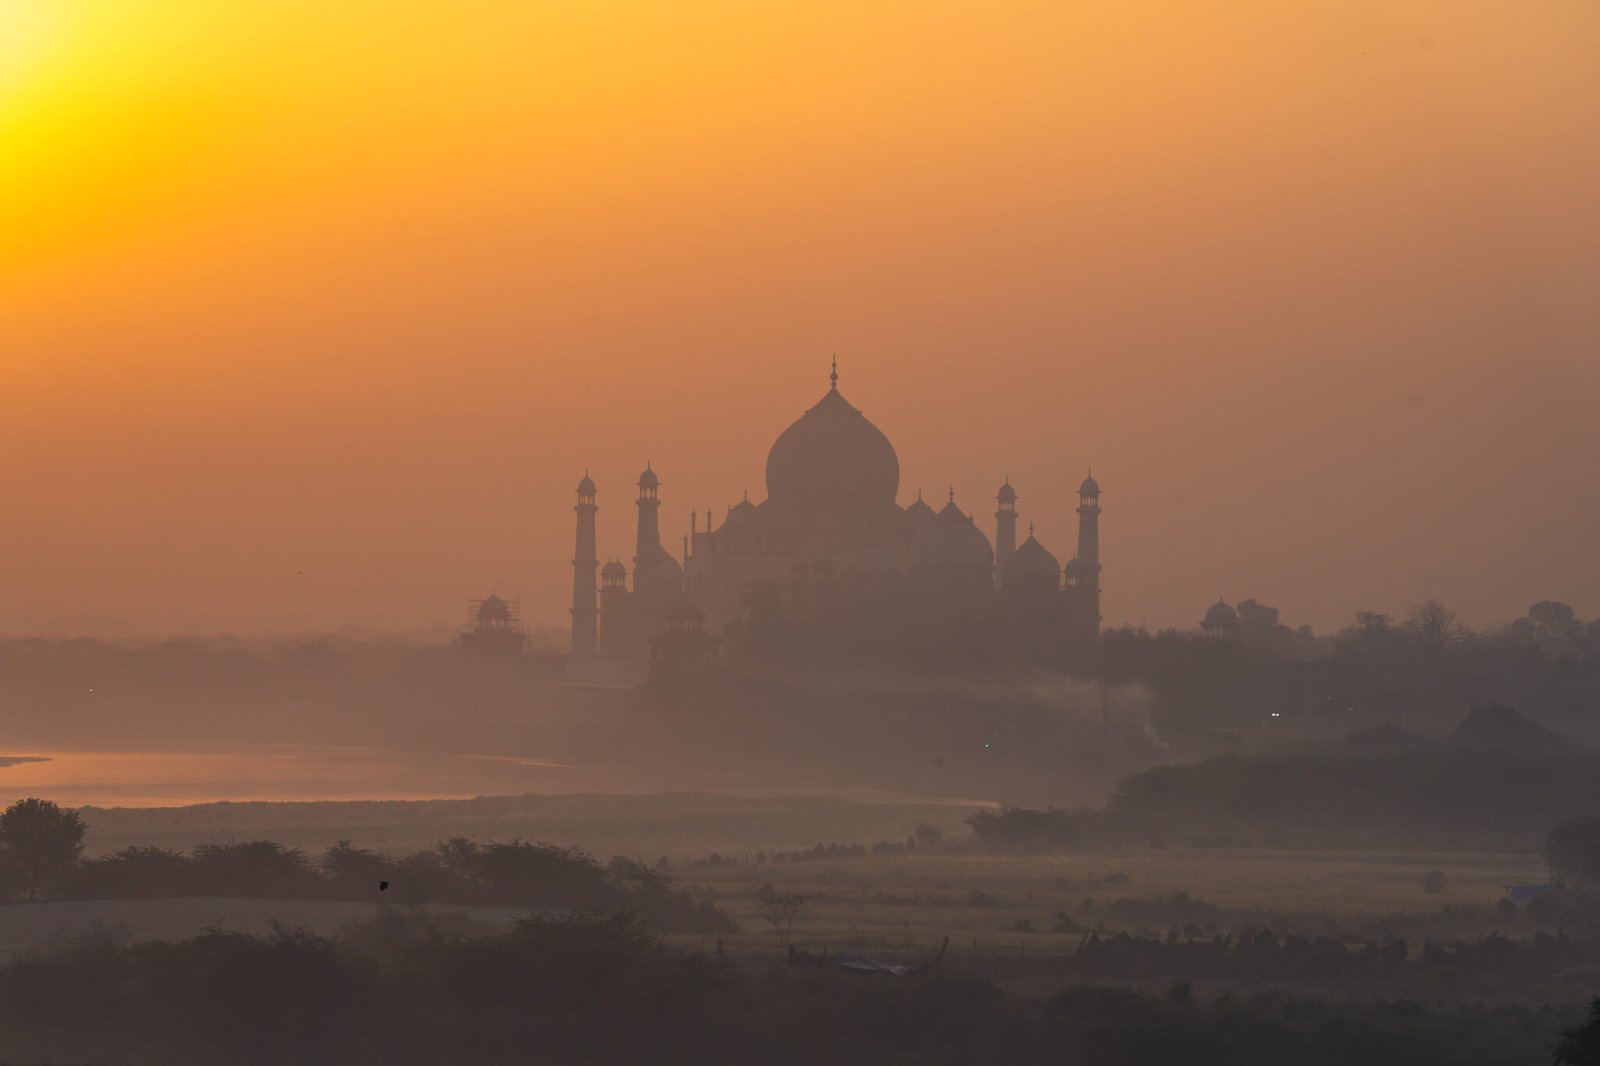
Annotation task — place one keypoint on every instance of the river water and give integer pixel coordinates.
(283, 772)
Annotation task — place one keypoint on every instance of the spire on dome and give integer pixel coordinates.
(833, 378)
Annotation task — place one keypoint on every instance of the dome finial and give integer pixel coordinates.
(833, 378)
(952, 494)
(1030, 529)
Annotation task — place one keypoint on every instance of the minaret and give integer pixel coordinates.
(1005, 529)
(647, 545)
(649, 597)
(616, 613)
(1089, 547)
(584, 564)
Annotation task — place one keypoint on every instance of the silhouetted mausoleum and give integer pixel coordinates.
(829, 550)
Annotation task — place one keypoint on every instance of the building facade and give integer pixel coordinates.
(829, 543)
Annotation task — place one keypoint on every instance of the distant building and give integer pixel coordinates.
(1221, 620)
(493, 629)
(829, 541)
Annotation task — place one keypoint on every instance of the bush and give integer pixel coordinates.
(1027, 831)
(39, 843)
(133, 872)
(262, 868)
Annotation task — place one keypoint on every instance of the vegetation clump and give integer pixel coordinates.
(40, 845)
(604, 990)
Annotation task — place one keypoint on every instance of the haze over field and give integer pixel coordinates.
(311, 315)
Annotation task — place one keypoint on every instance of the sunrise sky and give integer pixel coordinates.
(311, 314)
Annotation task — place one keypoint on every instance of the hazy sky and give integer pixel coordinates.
(312, 314)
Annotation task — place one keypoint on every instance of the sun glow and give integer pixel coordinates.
(28, 31)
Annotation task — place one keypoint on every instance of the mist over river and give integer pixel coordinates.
(282, 772)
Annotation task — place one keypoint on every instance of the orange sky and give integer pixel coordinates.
(311, 314)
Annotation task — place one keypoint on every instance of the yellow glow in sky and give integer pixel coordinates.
(27, 31)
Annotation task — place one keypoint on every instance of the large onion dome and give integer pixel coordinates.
(832, 457)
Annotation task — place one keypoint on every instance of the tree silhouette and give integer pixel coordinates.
(39, 841)
(1580, 1046)
(1434, 624)
(782, 911)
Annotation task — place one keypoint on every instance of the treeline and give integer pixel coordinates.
(1263, 956)
(1263, 678)
(1498, 781)
(41, 847)
(926, 837)
(1180, 916)
(605, 991)
(534, 875)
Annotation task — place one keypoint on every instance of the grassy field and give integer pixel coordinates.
(907, 904)
(1000, 914)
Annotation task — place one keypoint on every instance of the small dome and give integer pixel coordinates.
(1007, 494)
(494, 609)
(614, 569)
(832, 457)
(919, 515)
(586, 486)
(742, 515)
(1032, 566)
(669, 572)
(1220, 614)
(951, 540)
(1090, 487)
(648, 479)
